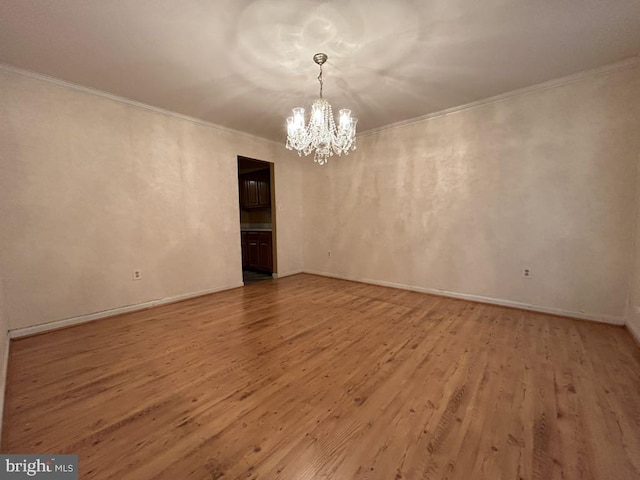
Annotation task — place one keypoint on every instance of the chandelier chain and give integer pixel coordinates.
(320, 80)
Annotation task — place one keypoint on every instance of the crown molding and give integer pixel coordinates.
(144, 106)
(557, 82)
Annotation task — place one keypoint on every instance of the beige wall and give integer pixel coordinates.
(92, 188)
(287, 213)
(633, 312)
(464, 202)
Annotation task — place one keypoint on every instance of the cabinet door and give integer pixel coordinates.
(253, 247)
(266, 253)
(264, 188)
(252, 191)
(243, 185)
(255, 189)
(245, 250)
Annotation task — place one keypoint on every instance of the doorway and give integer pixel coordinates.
(257, 219)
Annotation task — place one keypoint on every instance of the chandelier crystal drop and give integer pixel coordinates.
(321, 135)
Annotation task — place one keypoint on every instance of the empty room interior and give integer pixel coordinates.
(320, 239)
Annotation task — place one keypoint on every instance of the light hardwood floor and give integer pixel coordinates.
(308, 377)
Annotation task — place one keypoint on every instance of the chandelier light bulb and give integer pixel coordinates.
(321, 135)
(298, 117)
(317, 115)
(345, 118)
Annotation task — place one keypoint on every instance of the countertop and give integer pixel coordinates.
(255, 227)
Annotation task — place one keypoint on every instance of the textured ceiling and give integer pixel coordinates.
(244, 64)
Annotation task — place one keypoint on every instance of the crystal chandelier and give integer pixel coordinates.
(321, 135)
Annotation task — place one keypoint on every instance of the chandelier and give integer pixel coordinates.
(321, 135)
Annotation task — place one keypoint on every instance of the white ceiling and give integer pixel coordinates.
(244, 64)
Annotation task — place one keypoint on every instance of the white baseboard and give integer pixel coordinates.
(634, 329)
(45, 327)
(610, 319)
(67, 322)
(3, 381)
(287, 274)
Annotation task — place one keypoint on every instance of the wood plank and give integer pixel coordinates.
(311, 377)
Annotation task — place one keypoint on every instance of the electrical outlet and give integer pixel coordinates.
(137, 274)
(526, 273)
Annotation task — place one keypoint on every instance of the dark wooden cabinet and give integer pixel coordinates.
(255, 189)
(245, 250)
(265, 252)
(253, 247)
(257, 251)
(264, 188)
